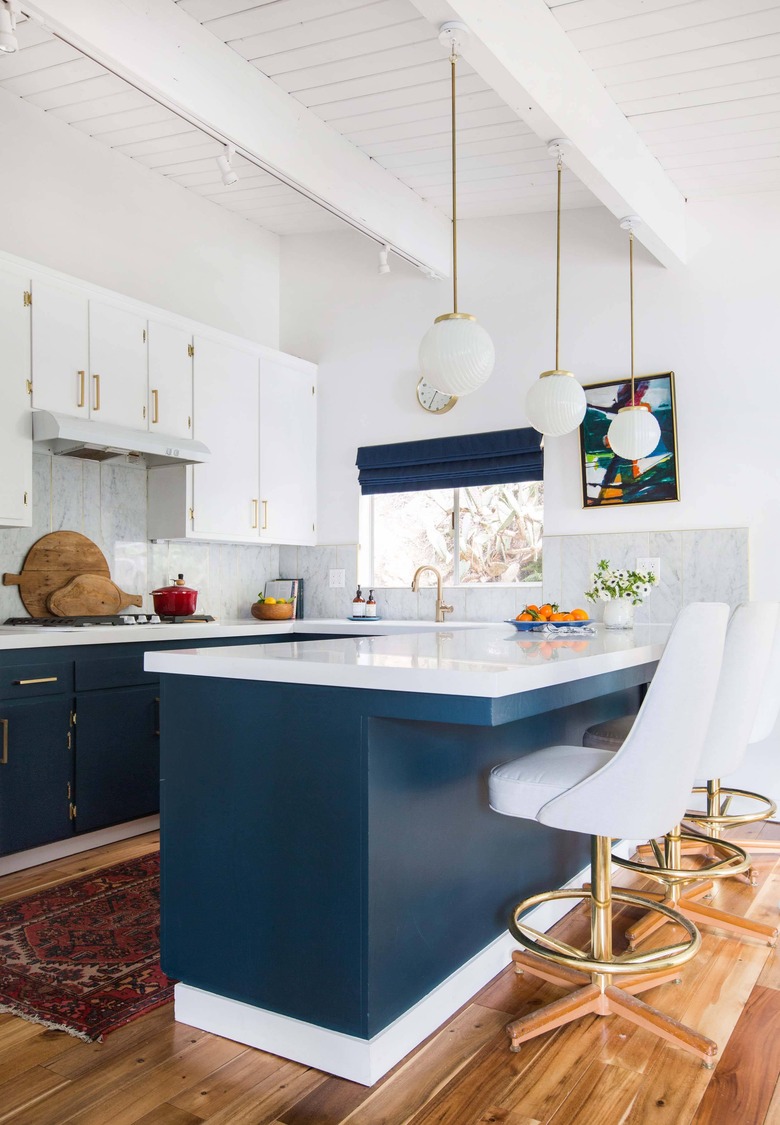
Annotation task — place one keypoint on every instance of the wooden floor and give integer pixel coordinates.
(600, 1071)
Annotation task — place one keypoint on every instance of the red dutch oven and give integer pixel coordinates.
(177, 600)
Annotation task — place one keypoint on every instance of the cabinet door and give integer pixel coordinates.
(36, 769)
(225, 497)
(60, 349)
(117, 756)
(117, 358)
(288, 454)
(170, 380)
(15, 413)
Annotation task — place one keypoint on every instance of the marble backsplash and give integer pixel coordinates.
(697, 565)
(107, 503)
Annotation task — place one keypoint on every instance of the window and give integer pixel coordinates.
(470, 505)
(494, 531)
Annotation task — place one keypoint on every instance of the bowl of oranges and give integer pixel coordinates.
(532, 616)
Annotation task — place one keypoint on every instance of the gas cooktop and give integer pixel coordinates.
(109, 619)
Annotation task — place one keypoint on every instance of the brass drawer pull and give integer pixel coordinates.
(255, 513)
(82, 376)
(265, 516)
(4, 757)
(97, 392)
(155, 406)
(40, 680)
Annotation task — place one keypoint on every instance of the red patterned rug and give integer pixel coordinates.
(84, 956)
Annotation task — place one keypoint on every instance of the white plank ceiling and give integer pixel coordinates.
(699, 80)
(375, 71)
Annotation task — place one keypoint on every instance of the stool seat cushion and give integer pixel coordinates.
(522, 787)
(609, 735)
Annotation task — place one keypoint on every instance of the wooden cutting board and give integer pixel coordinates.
(89, 594)
(51, 563)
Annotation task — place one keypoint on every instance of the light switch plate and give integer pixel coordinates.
(336, 580)
(651, 564)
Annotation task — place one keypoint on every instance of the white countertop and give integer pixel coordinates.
(487, 661)
(35, 636)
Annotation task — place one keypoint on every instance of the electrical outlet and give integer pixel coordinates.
(337, 578)
(653, 565)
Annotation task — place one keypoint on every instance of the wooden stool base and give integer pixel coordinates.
(700, 915)
(589, 999)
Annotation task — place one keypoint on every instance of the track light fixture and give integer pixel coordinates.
(384, 266)
(9, 10)
(224, 164)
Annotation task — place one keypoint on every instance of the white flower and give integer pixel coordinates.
(644, 589)
(604, 596)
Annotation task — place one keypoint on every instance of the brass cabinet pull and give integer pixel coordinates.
(155, 406)
(265, 516)
(97, 392)
(256, 514)
(40, 680)
(82, 375)
(4, 756)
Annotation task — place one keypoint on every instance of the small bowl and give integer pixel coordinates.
(275, 612)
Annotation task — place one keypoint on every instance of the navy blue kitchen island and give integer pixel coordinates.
(334, 884)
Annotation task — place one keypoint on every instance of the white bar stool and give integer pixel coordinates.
(633, 792)
(750, 641)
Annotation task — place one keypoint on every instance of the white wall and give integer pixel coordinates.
(711, 322)
(70, 203)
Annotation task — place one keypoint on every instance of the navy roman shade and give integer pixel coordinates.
(451, 462)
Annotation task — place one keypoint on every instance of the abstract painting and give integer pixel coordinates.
(608, 480)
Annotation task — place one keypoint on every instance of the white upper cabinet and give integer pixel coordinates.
(15, 414)
(288, 453)
(225, 500)
(118, 366)
(170, 379)
(60, 348)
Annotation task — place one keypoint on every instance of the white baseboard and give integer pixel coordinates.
(20, 861)
(363, 1060)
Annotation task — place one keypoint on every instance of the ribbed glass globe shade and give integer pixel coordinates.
(634, 433)
(456, 355)
(555, 405)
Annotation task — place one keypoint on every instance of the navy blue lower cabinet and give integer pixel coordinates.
(329, 854)
(36, 763)
(117, 769)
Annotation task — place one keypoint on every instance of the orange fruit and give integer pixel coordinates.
(579, 615)
(559, 617)
(524, 617)
(531, 609)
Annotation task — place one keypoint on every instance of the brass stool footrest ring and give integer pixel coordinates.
(625, 964)
(735, 861)
(733, 820)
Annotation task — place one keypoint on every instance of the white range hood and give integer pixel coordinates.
(97, 441)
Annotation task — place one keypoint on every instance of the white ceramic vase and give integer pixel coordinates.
(619, 614)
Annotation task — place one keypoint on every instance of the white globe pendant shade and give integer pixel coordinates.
(634, 433)
(456, 354)
(555, 404)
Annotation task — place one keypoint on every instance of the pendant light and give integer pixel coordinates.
(555, 404)
(456, 354)
(9, 10)
(634, 431)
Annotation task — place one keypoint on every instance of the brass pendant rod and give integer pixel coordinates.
(558, 269)
(453, 64)
(631, 291)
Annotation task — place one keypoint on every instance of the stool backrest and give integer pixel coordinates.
(750, 640)
(644, 789)
(769, 704)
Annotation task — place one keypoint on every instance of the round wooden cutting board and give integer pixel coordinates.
(51, 563)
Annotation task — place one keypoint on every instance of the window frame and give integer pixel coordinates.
(366, 550)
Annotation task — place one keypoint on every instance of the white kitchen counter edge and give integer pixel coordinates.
(33, 636)
(401, 663)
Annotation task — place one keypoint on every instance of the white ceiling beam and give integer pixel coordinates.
(519, 49)
(170, 56)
